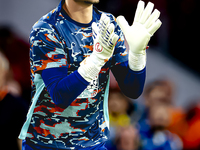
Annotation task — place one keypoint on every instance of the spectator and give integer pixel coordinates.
(13, 109)
(159, 91)
(153, 133)
(17, 52)
(128, 139)
(190, 128)
(120, 108)
(156, 92)
(159, 95)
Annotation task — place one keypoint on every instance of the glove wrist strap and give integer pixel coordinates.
(88, 69)
(137, 62)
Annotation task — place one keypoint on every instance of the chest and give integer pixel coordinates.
(78, 42)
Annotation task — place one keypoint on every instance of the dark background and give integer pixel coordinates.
(178, 37)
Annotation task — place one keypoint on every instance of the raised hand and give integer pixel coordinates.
(145, 24)
(104, 38)
(103, 48)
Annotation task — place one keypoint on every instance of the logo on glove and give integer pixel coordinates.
(98, 48)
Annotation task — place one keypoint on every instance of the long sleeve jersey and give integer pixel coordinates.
(69, 112)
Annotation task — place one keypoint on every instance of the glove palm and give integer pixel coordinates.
(139, 33)
(144, 26)
(104, 39)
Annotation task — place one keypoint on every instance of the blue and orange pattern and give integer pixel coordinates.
(58, 41)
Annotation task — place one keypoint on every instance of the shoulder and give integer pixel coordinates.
(111, 16)
(46, 23)
(44, 30)
(118, 30)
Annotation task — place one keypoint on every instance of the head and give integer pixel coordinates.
(118, 103)
(7, 83)
(128, 138)
(159, 91)
(159, 117)
(4, 69)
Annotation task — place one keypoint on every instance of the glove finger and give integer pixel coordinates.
(155, 27)
(146, 13)
(109, 31)
(123, 24)
(103, 23)
(139, 11)
(154, 16)
(113, 39)
(95, 30)
(103, 16)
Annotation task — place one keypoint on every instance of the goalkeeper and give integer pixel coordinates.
(72, 50)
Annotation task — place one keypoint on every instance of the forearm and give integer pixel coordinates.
(63, 88)
(130, 82)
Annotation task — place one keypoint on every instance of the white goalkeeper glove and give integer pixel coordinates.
(138, 35)
(104, 43)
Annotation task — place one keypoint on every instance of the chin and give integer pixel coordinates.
(88, 1)
(91, 1)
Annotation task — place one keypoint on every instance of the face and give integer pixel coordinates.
(4, 65)
(88, 1)
(159, 116)
(128, 138)
(117, 103)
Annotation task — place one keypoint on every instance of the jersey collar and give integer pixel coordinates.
(60, 9)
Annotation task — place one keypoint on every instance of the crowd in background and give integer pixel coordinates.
(153, 123)
(14, 87)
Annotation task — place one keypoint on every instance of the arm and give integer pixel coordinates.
(139, 33)
(131, 74)
(130, 82)
(64, 88)
(48, 59)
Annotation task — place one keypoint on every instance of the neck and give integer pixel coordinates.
(79, 11)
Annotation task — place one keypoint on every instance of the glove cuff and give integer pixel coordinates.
(137, 62)
(88, 69)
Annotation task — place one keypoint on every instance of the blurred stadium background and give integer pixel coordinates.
(173, 54)
(173, 50)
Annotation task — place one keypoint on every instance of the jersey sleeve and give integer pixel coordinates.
(46, 48)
